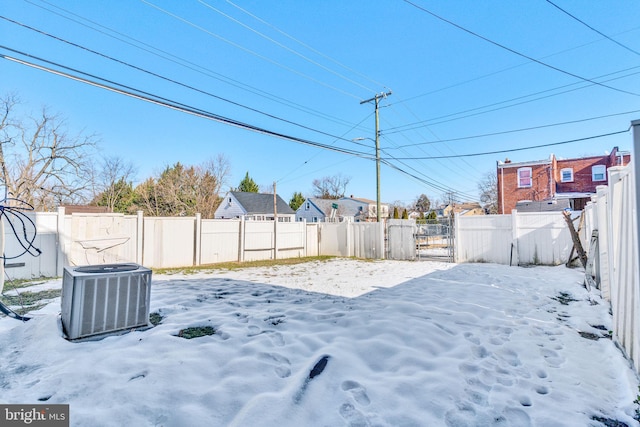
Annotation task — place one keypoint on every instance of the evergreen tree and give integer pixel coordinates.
(395, 213)
(248, 185)
(405, 215)
(296, 201)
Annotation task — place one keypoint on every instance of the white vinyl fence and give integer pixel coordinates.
(167, 242)
(612, 212)
(531, 238)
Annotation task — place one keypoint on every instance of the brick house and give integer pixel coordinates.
(554, 179)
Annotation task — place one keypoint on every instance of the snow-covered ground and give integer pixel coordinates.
(341, 342)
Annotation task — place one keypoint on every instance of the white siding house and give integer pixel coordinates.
(253, 207)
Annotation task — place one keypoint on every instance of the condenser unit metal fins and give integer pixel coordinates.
(102, 299)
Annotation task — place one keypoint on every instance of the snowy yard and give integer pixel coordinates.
(341, 342)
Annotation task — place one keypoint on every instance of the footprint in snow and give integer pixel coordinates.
(358, 392)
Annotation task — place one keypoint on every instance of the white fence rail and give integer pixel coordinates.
(532, 238)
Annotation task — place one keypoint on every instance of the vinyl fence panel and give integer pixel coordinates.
(219, 240)
(258, 240)
(290, 240)
(535, 238)
(100, 238)
(543, 238)
(334, 238)
(401, 240)
(23, 265)
(484, 238)
(169, 242)
(367, 240)
(311, 234)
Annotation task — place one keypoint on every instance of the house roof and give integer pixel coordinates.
(502, 165)
(346, 206)
(261, 203)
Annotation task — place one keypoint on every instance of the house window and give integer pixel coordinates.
(307, 206)
(598, 173)
(315, 219)
(566, 175)
(524, 177)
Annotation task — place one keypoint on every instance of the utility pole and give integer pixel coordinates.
(376, 100)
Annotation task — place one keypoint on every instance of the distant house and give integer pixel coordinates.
(348, 209)
(367, 208)
(315, 209)
(552, 179)
(253, 207)
(463, 209)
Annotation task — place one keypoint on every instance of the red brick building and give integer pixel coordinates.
(552, 180)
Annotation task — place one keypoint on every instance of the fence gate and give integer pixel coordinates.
(434, 239)
(401, 241)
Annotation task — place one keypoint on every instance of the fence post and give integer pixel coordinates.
(139, 237)
(456, 237)
(514, 257)
(275, 237)
(241, 242)
(197, 239)
(636, 173)
(602, 226)
(62, 238)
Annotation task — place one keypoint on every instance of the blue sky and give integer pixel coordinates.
(302, 69)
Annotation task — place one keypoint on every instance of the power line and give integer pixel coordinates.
(537, 61)
(306, 45)
(287, 48)
(164, 102)
(415, 125)
(185, 63)
(501, 71)
(593, 29)
(514, 149)
(517, 130)
(127, 64)
(256, 54)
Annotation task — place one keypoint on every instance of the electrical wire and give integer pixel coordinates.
(501, 71)
(13, 210)
(515, 52)
(164, 102)
(249, 51)
(474, 111)
(151, 73)
(462, 138)
(592, 29)
(185, 63)
(515, 149)
(287, 48)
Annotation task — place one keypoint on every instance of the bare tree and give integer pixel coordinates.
(114, 184)
(40, 163)
(330, 187)
(214, 174)
(488, 187)
(422, 203)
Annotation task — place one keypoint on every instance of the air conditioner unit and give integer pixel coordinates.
(101, 299)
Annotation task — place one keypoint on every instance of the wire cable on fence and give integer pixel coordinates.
(13, 213)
